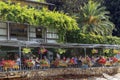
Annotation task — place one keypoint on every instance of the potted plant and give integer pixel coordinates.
(8, 64)
(44, 63)
(29, 63)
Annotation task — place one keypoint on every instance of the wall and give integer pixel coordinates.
(48, 35)
(3, 31)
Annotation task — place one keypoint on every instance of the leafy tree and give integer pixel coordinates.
(40, 0)
(94, 18)
(68, 6)
(71, 7)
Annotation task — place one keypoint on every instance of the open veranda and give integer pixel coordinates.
(31, 55)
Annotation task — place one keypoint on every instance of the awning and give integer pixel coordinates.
(77, 45)
(17, 43)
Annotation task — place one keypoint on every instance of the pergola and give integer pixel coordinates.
(78, 45)
(20, 44)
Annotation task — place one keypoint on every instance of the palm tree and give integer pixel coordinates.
(94, 18)
(39, 0)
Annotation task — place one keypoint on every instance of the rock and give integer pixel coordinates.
(108, 77)
(117, 75)
(100, 79)
(96, 78)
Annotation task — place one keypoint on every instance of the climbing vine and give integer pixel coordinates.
(49, 19)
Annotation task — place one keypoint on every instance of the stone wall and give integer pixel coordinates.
(97, 71)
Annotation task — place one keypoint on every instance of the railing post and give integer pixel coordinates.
(8, 31)
(20, 56)
(85, 51)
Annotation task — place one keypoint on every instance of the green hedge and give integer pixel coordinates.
(78, 37)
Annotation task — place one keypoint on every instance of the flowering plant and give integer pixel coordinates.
(8, 63)
(43, 50)
(43, 62)
(29, 63)
(114, 59)
(102, 61)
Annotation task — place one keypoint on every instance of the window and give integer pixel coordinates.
(18, 30)
(51, 33)
(38, 33)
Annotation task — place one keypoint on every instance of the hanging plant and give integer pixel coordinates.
(61, 51)
(106, 50)
(94, 51)
(43, 50)
(26, 50)
(115, 51)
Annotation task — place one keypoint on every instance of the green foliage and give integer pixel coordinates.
(94, 18)
(48, 19)
(60, 51)
(41, 0)
(76, 36)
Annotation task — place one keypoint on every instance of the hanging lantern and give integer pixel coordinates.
(26, 50)
(94, 51)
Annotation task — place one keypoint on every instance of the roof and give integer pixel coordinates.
(22, 23)
(17, 43)
(78, 45)
(36, 2)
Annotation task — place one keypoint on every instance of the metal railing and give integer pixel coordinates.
(44, 67)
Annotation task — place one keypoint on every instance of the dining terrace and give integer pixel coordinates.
(22, 66)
